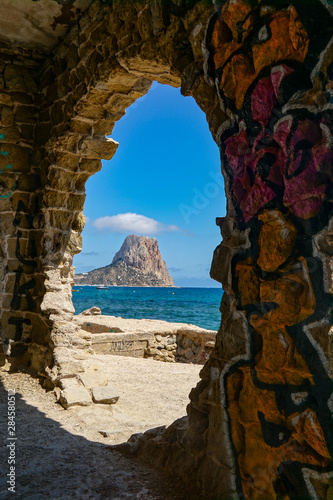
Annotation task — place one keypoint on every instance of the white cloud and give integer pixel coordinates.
(135, 223)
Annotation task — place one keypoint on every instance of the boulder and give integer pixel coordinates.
(76, 395)
(93, 311)
(105, 395)
(93, 378)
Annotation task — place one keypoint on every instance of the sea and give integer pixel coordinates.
(198, 306)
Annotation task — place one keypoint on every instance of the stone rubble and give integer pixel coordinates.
(93, 378)
(89, 386)
(78, 382)
(104, 395)
(66, 454)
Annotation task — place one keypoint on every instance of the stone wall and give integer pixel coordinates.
(22, 279)
(183, 347)
(156, 339)
(277, 157)
(101, 68)
(259, 421)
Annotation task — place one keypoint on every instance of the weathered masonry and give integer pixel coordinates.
(260, 421)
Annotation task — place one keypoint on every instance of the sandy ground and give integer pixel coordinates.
(64, 454)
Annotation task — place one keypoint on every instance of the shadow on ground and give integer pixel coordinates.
(52, 463)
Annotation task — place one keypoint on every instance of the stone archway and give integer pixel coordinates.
(259, 422)
(76, 154)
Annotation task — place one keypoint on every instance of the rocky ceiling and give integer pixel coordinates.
(38, 24)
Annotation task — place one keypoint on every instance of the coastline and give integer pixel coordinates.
(145, 338)
(129, 286)
(190, 305)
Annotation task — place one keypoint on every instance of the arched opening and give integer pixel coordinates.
(164, 182)
(75, 154)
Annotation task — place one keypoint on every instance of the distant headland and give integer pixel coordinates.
(137, 263)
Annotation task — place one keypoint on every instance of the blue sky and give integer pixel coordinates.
(163, 182)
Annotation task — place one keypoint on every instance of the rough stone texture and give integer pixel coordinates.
(41, 23)
(75, 395)
(84, 387)
(93, 378)
(137, 263)
(143, 253)
(93, 311)
(104, 395)
(138, 338)
(259, 421)
(120, 274)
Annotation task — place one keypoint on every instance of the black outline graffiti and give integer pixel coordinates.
(18, 322)
(289, 475)
(121, 345)
(26, 289)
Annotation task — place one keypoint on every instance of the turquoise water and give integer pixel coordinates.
(199, 306)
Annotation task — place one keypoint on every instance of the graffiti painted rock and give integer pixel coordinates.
(276, 240)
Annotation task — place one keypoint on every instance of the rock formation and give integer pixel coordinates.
(138, 263)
